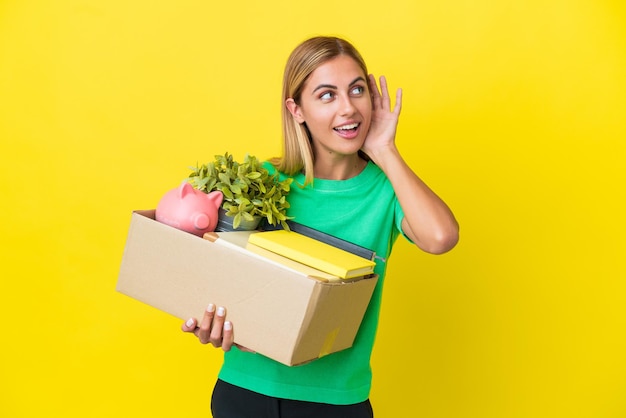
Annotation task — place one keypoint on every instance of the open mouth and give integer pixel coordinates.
(347, 129)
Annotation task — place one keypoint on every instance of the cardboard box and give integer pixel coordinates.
(276, 312)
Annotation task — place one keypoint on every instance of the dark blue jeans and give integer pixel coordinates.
(231, 401)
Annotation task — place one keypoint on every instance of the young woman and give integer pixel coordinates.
(339, 143)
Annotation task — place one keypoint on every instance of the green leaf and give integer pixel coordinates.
(224, 178)
(254, 175)
(227, 193)
(243, 201)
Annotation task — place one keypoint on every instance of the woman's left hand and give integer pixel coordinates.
(382, 132)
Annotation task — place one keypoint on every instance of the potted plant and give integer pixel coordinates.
(250, 192)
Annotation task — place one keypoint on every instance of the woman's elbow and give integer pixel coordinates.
(441, 242)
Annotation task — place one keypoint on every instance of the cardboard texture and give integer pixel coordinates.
(276, 312)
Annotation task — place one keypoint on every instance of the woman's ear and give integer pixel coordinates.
(295, 110)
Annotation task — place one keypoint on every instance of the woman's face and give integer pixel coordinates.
(336, 107)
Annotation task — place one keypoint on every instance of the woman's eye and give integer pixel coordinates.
(326, 96)
(358, 90)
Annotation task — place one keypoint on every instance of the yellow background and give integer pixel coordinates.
(514, 112)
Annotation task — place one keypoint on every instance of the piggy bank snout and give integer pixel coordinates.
(201, 221)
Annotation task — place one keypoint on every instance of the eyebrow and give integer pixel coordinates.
(330, 86)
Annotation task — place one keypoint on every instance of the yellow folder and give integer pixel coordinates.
(313, 253)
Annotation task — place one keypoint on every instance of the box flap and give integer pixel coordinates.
(333, 318)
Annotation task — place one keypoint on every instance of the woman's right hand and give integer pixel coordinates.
(214, 328)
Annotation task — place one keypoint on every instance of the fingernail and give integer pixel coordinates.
(189, 323)
(210, 308)
(228, 326)
(220, 311)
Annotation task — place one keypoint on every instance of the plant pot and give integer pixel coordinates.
(225, 223)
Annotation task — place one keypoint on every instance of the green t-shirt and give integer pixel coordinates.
(363, 210)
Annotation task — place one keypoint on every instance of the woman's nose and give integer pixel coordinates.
(346, 106)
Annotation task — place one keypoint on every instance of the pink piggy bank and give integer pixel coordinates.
(189, 209)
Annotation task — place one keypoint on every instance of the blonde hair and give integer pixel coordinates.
(306, 58)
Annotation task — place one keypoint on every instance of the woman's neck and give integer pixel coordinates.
(341, 168)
